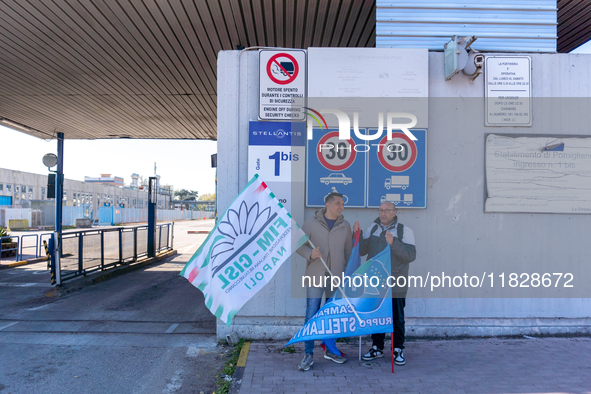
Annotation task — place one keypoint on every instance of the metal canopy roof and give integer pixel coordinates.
(574, 24)
(146, 68)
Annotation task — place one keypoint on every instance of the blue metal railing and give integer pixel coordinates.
(7, 252)
(35, 247)
(90, 250)
(86, 251)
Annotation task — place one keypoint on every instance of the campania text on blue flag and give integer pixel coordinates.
(252, 239)
(373, 304)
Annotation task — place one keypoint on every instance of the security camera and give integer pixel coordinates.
(459, 55)
(474, 65)
(479, 60)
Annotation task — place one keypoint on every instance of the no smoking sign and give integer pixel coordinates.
(282, 84)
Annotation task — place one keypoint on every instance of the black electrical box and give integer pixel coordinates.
(51, 186)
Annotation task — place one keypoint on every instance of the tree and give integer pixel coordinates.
(206, 197)
(186, 195)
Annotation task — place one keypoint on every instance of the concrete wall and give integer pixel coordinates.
(453, 233)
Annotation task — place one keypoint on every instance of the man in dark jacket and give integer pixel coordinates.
(385, 230)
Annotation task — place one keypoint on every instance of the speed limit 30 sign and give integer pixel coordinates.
(335, 166)
(335, 154)
(397, 154)
(398, 171)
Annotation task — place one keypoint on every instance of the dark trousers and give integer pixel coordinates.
(398, 305)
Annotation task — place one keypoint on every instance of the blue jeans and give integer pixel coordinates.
(313, 301)
(314, 298)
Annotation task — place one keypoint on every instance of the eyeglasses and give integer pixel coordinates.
(386, 210)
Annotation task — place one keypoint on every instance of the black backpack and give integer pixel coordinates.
(399, 231)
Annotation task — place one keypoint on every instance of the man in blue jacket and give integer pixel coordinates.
(386, 230)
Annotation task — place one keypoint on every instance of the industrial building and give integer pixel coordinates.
(20, 189)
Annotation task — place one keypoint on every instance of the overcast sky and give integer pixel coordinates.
(185, 164)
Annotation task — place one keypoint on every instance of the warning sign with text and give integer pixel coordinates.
(282, 84)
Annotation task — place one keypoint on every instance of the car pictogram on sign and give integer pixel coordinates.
(336, 178)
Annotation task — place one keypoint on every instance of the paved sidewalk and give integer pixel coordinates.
(542, 365)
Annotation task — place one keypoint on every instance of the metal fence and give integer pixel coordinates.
(113, 215)
(92, 250)
(24, 247)
(43, 214)
(9, 248)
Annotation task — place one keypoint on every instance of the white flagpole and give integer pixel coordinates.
(339, 287)
(359, 347)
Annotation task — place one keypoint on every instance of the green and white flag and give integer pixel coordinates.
(253, 238)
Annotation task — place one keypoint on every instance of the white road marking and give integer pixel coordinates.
(175, 383)
(8, 325)
(171, 328)
(16, 284)
(38, 308)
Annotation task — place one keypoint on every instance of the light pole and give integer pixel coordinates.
(50, 160)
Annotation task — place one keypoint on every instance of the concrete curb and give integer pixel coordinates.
(101, 276)
(239, 371)
(24, 262)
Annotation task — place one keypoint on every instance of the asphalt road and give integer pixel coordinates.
(146, 331)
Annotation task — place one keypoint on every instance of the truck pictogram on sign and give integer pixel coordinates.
(283, 68)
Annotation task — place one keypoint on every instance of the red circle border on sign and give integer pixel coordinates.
(295, 71)
(328, 166)
(404, 167)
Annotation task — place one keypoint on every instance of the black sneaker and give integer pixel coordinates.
(399, 357)
(373, 353)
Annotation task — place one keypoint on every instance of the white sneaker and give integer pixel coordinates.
(399, 357)
(373, 353)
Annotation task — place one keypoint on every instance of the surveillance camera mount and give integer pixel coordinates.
(459, 55)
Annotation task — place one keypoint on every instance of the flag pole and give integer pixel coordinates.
(339, 287)
(392, 349)
(359, 347)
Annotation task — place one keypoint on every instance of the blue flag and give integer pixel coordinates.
(368, 294)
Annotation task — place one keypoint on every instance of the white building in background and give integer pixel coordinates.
(20, 189)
